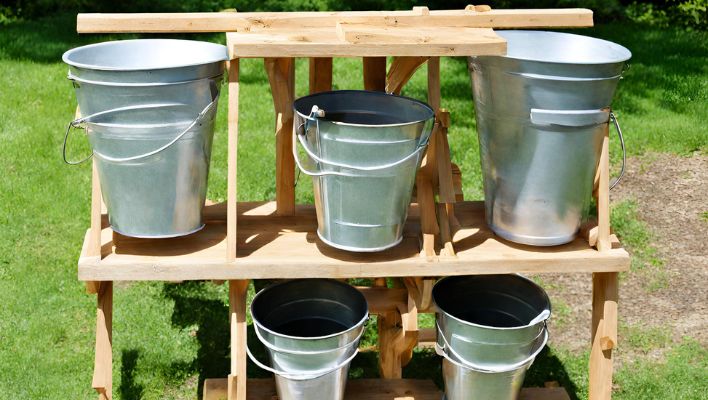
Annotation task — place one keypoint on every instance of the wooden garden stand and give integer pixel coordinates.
(444, 235)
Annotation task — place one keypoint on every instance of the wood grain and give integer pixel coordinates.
(605, 293)
(231, 185)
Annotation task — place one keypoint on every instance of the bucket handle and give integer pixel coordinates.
(442, 351)
(304, 376)
(77, 124)
(579, 118)
(299, 133)
(313, 352)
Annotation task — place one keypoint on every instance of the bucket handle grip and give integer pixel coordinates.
(299, 133)
(77, 123)
(442, 351)
(314, 352)
(304, 376)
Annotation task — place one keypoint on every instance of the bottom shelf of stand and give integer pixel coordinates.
(370, 389)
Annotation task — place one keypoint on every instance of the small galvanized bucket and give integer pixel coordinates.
(311, 330)
(465, 381)
(363, 151)
(148, 108)
(490, 321)
(542, 112)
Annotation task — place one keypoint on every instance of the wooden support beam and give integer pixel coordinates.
(603, 195)
(421, 291)
(382, 300)
(605, 293)
(103, 364)
(398, 335)
(375, 73)
(401, 71)
(281, 73)
(231, 184)
(259, 21)
(237, 306)
(320, 74)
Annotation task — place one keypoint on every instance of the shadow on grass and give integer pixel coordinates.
(129, 389)
(547, 368)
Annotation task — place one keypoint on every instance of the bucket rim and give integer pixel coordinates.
(66, 57)
(359, 323)
(623, 58)
(498, 328)
(366, 93)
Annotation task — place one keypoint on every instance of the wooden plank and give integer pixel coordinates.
(371, 389)
(605, 293)
(254, 21)
(322, 42)
(103, 363)
(603, 195)
(374, 73)
(231, 185)
(281, 74)
(272, 246)
(238, 326)
(320, 74)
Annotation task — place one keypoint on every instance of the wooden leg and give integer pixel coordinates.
(320, 74)
(281, 73)
(231, 191)
(375, 73)
(398, 335)
(103, 364)
(603, 195)
(237, 305)
(605, 292)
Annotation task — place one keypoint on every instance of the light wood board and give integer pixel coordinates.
(272, 246)
(371, 389)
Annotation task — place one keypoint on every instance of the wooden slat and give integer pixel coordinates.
(603, 195)
(281, 74)
(374, 73)
(103, 362)
(605, 293)
(242, 22)
(238, 325)
(323, 42)
(371, 389)
(320, 74)
(231, 185)
(272, 246)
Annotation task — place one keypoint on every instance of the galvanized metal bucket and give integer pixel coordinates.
(464, 381)
(148, 108)
(542, 111)
(490, 321)
(311, 330)
(363, 151)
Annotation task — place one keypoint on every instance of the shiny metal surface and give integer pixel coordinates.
(137, 97)
(541, 114)
(490, 321)
(463, 382)
(333, 316)
(363, 156)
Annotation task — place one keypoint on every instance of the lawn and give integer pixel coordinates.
(169, 337)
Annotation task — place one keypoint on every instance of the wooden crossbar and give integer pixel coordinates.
(254, 21)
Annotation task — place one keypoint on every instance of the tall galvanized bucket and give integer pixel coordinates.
(311, 330)
(542, 111)
(148, 108)
(363, 151)
(465, 381)
(491, 321)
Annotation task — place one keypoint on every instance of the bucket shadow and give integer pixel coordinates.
(548, 368)
(129, 389)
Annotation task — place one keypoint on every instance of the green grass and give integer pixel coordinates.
(170, 337)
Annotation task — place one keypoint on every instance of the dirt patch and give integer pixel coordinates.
(672, 197)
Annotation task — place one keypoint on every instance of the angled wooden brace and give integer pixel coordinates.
(398, 336)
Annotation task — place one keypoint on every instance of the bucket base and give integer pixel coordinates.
(172, 235)
(533, 240)
(358, 249)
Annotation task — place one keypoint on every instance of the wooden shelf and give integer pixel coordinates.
(370, 389)
(272, 246)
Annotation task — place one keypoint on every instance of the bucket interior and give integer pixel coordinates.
(145, 54)
(555, 47)
(309, 308)
(360, 107)
(497, 301)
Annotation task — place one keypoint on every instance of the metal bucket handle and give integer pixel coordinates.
(442, 351)
(313, 352)
(300, 377)
(579, 118)
(299, 133)
(77, 124)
